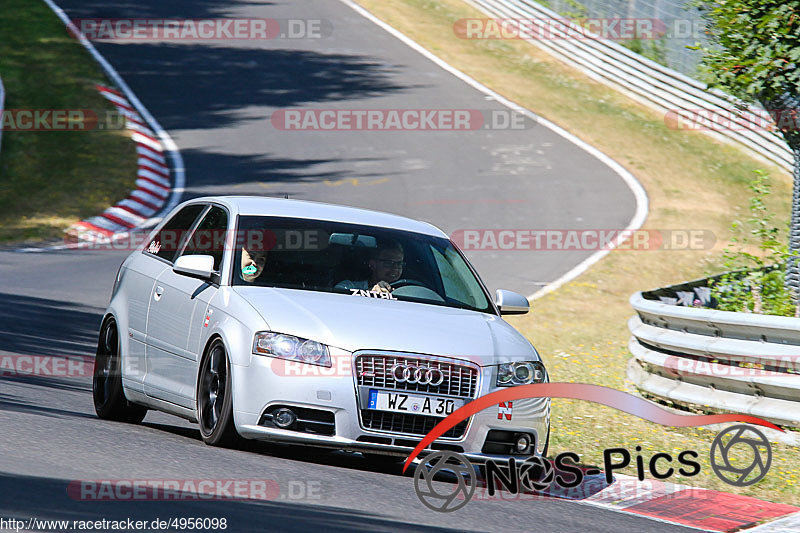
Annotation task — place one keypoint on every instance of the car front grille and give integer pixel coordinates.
(375, 371)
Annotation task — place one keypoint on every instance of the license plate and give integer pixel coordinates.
(399, 402)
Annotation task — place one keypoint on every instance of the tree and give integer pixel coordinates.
(753, 53)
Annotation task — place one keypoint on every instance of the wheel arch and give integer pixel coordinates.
(211, 338)
(109, 315)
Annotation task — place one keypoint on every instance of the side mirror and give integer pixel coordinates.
(195, 266)
(511, 303)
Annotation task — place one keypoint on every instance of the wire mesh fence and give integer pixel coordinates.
(676, 25)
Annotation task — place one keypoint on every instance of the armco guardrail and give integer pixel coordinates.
(717, 360)
(644, 80)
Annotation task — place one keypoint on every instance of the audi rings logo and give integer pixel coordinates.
(449, 501)
(730, 470)
(421, 375)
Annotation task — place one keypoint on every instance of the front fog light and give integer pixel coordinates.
(522, 444)
(284, 418)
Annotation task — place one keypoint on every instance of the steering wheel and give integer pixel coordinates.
(415, 289)
(403, 282)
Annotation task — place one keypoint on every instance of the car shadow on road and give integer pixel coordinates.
(590, 485)
(306, 454)
(61, 499)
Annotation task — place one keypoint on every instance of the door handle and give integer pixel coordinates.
(158, 292)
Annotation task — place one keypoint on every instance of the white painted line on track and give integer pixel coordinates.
(788, 524)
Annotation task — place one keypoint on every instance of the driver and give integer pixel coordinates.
(385, 266)
(253, 262)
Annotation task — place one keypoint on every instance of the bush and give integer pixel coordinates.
(756, 260)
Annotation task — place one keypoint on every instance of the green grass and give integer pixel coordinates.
(50, 179)
(692, 181)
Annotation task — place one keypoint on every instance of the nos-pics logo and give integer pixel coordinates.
(537, 474)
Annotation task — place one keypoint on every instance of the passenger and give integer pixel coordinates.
(253, 262)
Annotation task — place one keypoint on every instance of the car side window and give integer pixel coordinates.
(166, 242)
(209, 237)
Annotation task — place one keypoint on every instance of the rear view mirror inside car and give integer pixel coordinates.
(353, 239)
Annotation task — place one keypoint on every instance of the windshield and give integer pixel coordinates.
(361, 261)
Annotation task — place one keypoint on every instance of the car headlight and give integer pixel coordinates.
(292, 348)
(523, 373)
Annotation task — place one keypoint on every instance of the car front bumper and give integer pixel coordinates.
(268, 382)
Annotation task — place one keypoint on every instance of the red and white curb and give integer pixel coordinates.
(691, 507)
(703, 509)
(152, 181)
(155, 148)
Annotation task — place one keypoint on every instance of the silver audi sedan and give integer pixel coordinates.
(309, 323)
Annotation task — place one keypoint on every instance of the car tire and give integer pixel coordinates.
(215, 398)
(109, 399)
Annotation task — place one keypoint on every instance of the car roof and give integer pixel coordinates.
(282, 207)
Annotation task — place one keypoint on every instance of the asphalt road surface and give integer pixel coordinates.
(52, 304)
(215, 99)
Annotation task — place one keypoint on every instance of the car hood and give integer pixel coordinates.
(358, 323)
